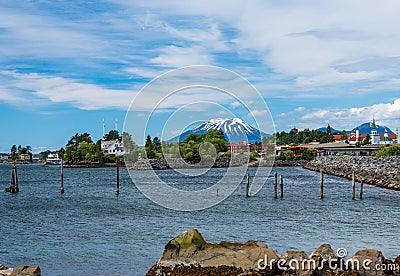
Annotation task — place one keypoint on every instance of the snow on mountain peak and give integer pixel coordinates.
(234, 129)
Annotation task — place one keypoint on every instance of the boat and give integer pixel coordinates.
(52, 159)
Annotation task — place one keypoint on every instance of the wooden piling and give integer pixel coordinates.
(62, 175)
(248, 185)
(117, 172)
(281, 182)
(321, 192)
(14, 180)
(217, 190)
(353, 186)
(361, 189)
(275, 185)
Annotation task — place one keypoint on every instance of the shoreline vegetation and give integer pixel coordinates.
(211, 149)
(190, 254)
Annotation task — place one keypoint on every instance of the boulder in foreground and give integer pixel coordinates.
(190, 254)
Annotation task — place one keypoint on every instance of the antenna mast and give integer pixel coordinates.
(104, 128)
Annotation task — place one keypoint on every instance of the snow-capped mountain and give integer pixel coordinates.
(235, 130)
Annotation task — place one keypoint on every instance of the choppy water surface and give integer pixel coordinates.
(90, 230)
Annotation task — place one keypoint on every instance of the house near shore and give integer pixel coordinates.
(113, 147)
(5, 157)
(25, 157)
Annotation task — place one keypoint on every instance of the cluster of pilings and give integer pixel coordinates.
(321, 193)
(15, 189)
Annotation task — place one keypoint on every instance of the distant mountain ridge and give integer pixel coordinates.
(364, 128)
(235, 130)
(332, 129)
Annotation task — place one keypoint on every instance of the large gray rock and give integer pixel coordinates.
(190, 249)
(369, 260)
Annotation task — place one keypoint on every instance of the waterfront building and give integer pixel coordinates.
(4, 157)
(25, 157)
(113, 147)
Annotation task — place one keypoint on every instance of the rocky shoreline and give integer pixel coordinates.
(382, 172)
(190, 254)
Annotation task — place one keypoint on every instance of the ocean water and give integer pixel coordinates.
(89, 230)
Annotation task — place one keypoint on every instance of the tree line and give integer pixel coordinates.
(192, 149)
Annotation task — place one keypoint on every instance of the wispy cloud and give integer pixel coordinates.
(45, 90)
(174, 56)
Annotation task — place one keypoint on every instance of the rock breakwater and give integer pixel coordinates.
(190, 254)
(382, 172)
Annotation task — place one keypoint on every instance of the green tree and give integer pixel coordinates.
(112, 135)
(197, 138)
(157, 145)
(254, 156)
(309, 154)
(344, 135)
(78, 147)
(328, 129)
(132, 151)
(79, 138)
(217, 138)
(286, 155)
(14, 153)
(149, 148)
(61, 152)
(366, 140)
(392, 150)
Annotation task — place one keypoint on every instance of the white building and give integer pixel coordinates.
(386, 140)
(375, 138)
(398, 135)
(113, 147)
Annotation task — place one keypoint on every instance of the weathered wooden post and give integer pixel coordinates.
(217, 190)
(248, 185)
(275, 185)
(353, 186)
(14, 180)
(62, 175)
(321, 192)
(281, 180)
(117, 171)
(361, 189)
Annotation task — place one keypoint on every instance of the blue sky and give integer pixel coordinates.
(65, 65)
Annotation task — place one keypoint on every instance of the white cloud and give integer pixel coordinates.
(307, 42)
(143, 72)
(346, 118)
(44, 89)
(258, 113)
(235, 104)
(174, 56)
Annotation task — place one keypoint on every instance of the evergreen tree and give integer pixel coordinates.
(149, 147)
(14, 154)
(112, 135)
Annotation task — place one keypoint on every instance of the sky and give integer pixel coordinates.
(66, 65)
